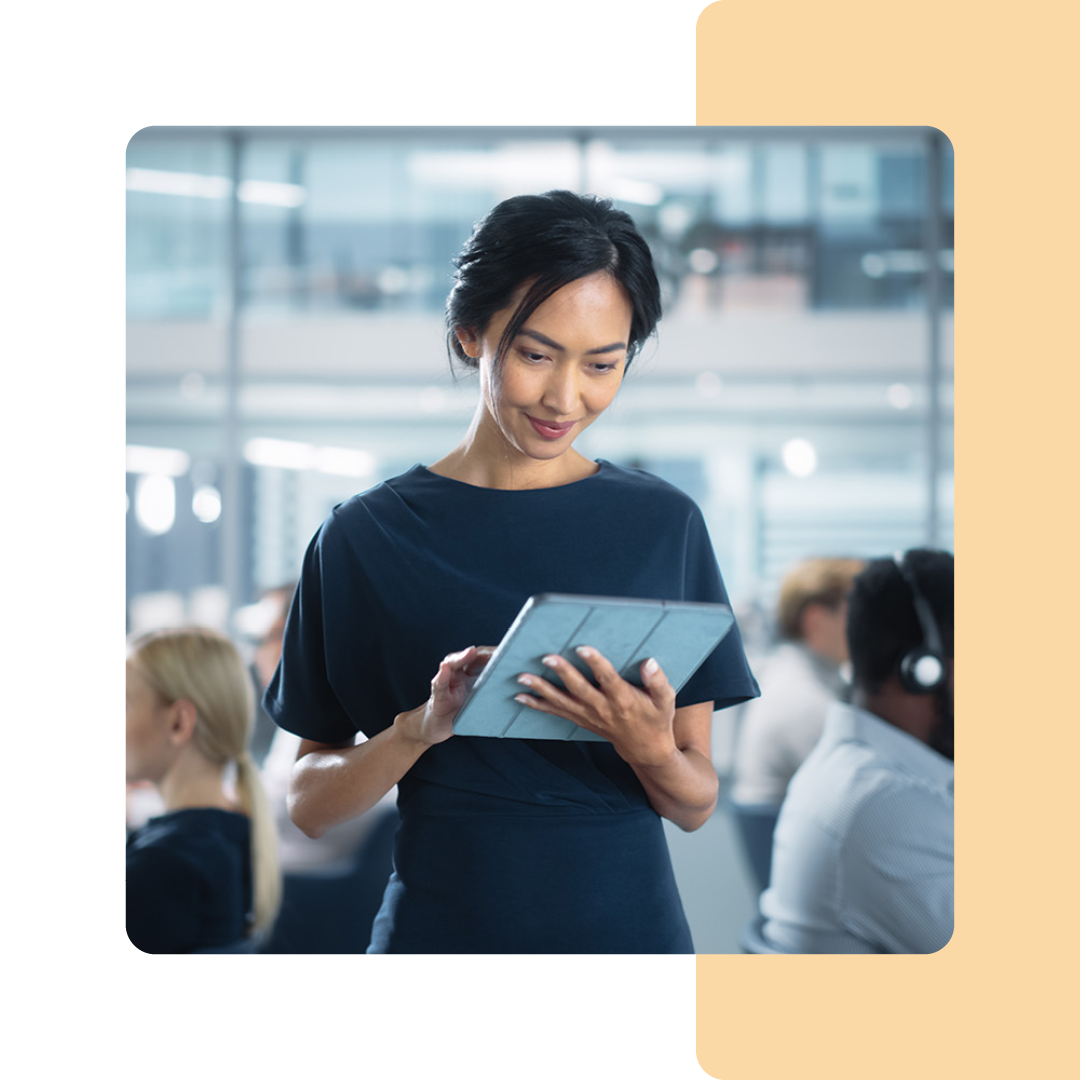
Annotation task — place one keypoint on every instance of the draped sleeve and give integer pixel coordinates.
(725, 677)
(300, 697)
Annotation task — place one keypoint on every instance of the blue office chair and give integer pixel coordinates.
(752, 939)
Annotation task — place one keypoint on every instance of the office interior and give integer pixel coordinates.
(286, 349)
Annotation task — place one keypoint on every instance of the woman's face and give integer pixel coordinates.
(561, 371)
(149, 748)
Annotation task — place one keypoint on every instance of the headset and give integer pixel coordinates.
(922, 669)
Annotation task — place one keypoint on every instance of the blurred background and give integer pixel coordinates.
(285, 349)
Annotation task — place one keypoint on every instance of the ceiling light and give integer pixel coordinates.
(206, 504)
(800, 457)
(339, 461)
(703, 261)
(158, 460)
(271, 193)
(199, 186)
(155, 503)
(283, 454)
(279, 453)
(193, 185)
(640, 192)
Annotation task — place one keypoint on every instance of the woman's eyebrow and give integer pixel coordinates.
(545, 340)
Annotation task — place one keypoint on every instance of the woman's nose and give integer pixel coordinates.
(560, 390)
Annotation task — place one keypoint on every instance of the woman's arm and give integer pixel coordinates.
(668, 748)
(333, 782)
(683, 787)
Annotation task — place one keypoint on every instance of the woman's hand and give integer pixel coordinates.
(667, 748)
(334, 782)
(637, 721)
(432, 722)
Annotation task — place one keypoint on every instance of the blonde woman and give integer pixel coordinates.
(204, 874)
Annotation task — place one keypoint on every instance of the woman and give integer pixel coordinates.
(510, 845)
(204, 874)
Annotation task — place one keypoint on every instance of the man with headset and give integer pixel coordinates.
(863, 851)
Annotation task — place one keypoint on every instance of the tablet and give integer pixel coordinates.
(678, 634)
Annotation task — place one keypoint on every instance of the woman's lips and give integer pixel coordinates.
(548, 430)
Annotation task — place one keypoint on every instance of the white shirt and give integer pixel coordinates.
(863, 850)
(778, 729)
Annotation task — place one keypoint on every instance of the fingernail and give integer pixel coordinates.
(584, 652)
(651, 666)
(522, 699)
(525, 680)
(550, 661)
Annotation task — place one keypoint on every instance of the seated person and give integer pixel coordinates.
(863, 851)
(798, 684)
(204, 873)
(297, 852)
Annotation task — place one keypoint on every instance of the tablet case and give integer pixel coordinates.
(678, 634)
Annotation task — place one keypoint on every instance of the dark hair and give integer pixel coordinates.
(882, 624)
(551, 239)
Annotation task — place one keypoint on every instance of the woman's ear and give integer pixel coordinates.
(469, 341)
(182, 719)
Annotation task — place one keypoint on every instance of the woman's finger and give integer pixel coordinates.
(656, 682)
(478, 661)
(460, 659)
(600, 665)
(574, 681)
(546, 692)
(450, 666)
(610, 684)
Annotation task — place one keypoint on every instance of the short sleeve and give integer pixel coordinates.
(725, 677)
(300, 698)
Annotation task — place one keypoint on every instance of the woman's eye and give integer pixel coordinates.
(534, 357)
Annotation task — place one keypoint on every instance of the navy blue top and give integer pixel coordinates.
(189, 880)
(506, 845)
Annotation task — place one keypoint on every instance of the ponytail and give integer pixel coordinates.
(265, 871)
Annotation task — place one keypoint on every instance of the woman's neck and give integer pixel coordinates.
(193, 782)
(483, 458)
